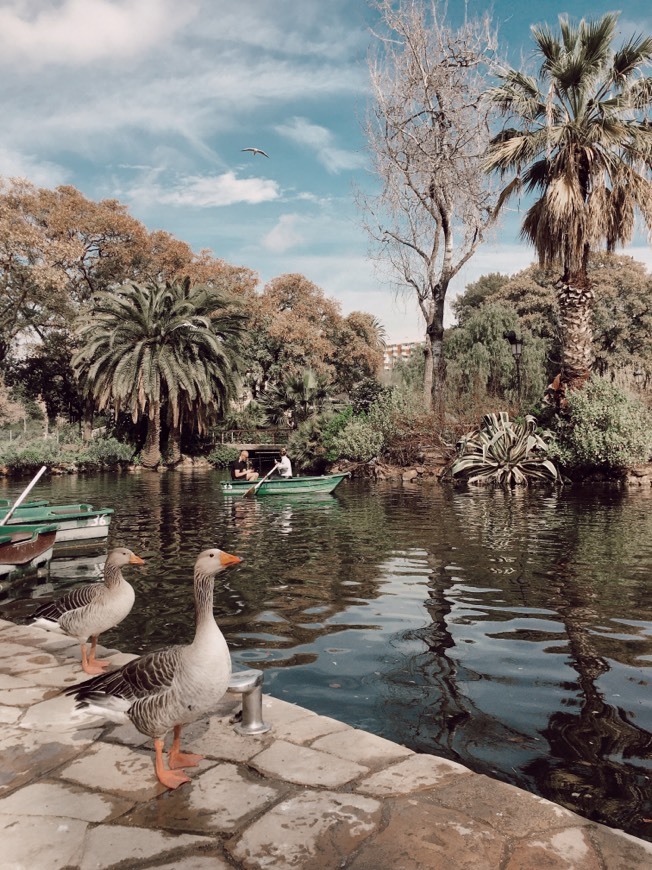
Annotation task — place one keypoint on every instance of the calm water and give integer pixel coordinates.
(511, 632)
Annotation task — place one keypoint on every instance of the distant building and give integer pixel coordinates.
(396, 352)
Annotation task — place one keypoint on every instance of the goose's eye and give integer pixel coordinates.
(212, 555)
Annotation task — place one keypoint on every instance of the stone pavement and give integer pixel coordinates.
(312, 793)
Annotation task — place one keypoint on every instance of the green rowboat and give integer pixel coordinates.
(322, 483)
(25, 547)
(76, 522)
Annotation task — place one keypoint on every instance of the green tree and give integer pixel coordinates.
(582, 143)
(477, 293)
(156, 348)
(621, 317)
(295, 399)
(481, 362)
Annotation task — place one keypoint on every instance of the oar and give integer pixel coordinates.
(251, 492)
(21, 498)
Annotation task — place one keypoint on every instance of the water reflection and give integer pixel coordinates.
(509, 631)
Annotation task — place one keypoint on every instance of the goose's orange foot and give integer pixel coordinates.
(103, 663)
(183, 759)
(93, 668)
(170, 779)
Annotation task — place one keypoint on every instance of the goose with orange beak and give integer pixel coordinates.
(89, 610)
(167, 689)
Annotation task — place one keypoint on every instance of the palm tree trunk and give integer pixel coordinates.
(575, 299)
(174, 445)
(87, 421)
(152, 448)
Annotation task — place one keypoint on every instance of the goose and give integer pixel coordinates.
(89, 610)
(172, 687)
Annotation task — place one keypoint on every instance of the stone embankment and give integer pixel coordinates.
(311, 794)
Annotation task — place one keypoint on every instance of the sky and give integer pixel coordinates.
(152, 101)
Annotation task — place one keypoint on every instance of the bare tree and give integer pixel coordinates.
(428, 132)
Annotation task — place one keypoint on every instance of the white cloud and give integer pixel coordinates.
(284, 235)
(204, 191)
(321, 141)
(79, 32)
(43, 173)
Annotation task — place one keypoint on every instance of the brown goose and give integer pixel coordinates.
(169, 688)
(89, 610)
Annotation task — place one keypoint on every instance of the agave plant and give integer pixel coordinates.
(503, 452)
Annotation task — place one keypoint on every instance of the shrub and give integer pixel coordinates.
(98, 453)
(604, 430)
(333, 427)
(101, 452)
(503, 452)
(306, 445)
(222, 454)
(364, 394)
(359, 440)
(394, 414)
(31, 456)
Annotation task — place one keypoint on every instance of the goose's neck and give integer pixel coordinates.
(112, 576)
(204, 619)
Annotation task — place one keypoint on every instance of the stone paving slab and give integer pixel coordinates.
(312, 794)
(221, 800)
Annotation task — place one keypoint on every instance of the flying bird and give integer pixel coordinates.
(255, 151)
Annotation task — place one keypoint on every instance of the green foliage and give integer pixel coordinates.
(364, 394)
(47, 374)
(394, 411)
(477, 293)
(359, 440)
(604, 430)
(99, 453)
(221, 455)
(297, 398)
(409, 374)
(503, 452)
(250, 418)
(103, 452)
(306, 445)
(161, 349)
(30, 457)
(480, 361)
(333, 427)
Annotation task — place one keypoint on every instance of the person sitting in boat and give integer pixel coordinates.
(242, 470)
(284, 467)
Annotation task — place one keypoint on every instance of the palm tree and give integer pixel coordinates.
(297, 397)
(160, 347)
(583, 144)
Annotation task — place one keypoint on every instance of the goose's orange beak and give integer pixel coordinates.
(228, 559)
(136, 560)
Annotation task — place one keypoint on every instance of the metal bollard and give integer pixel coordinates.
(249, 684)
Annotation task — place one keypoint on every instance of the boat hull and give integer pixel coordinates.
(23, 548)
(71, 524)
(21, 545)
(323, 483)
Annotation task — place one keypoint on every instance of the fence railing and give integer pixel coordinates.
(254, 436)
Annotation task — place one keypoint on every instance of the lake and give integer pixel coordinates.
(509, 631)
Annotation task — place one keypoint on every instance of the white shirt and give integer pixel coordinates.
(284, 466)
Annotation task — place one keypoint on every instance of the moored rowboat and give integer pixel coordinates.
(322, 483)
(77, 522)
(25, 546)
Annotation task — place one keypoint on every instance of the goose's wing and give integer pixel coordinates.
(73, 600)
(145, 676)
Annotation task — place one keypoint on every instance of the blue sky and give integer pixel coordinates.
(151, 102)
